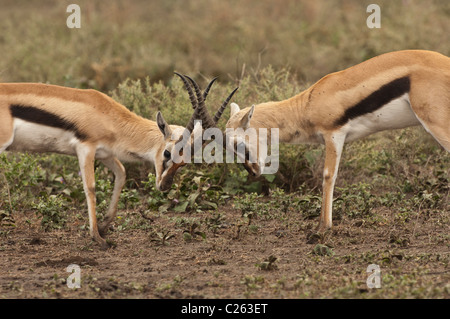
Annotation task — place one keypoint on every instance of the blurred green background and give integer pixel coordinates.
(121, 39)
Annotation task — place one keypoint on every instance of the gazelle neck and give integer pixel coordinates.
(137, 139)
(290, 116)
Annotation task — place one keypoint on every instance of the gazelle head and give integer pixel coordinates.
(243, 139)
(165, 164)
(177, 138)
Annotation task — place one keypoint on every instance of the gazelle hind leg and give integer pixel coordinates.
(432, 109)
(6, 129)
(4, 146)
(439, 130)
(440, 134)
(119, 181)
(86, 157)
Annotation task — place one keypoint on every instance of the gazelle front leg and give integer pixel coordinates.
(86, 157)
(119, 181)
(334, 143)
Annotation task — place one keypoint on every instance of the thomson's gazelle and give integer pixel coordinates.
(391, 91)
(90, 125)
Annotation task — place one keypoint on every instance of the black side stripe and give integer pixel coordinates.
(35, 115)
(376, 100)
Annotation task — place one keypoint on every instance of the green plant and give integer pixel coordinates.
(322, 250)
(161, 237)
(194, 192)
(268, 263)
(21, 175)
(214, 222)
(252, 283)
(250, 204)
(354, 201)
(53, 211)
(191, 231)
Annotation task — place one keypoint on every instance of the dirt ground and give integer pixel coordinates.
(268, 258)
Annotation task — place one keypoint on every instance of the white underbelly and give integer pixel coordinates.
(40, 138)
(394, 115)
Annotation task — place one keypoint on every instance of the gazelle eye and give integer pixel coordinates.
(167, 154)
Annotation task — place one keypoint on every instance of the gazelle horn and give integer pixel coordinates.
(199, 112)
(223, 106)
(198, 104)
(205, 117)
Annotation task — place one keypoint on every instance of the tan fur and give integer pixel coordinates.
(112, 133)
(310, 116)
(85, 108)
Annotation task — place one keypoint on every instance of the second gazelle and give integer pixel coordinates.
(390, 91)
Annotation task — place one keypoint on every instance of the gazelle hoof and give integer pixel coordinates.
(103, 229)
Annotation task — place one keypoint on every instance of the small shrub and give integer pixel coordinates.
(53, 211)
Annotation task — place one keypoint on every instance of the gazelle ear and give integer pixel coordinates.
(163, 126)
(234, 109)
(245, 121)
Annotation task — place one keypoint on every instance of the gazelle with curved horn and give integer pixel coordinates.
(390, 91)
(201, 113)
(90, 125)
